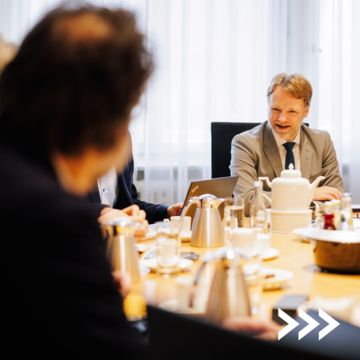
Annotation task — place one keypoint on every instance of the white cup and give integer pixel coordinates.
(167, 249)
(245, 239)
(167, 252)
(186, 223)
(263, 243)
(185, 233)
(184, 285)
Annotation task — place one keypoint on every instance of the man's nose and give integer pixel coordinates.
(282, 117)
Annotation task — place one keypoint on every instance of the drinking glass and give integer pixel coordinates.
(236, 207)
(167, 249)
(233, 216)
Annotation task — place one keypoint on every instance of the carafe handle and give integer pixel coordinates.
(206, 260)
(192, 200)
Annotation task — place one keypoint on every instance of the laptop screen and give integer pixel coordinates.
(219, 187)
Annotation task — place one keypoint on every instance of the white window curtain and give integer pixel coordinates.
(214, 62)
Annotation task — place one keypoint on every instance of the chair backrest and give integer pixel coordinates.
(173, 336)
(222, 134)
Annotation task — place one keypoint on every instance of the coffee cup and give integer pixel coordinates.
(263, 243)
(185, 233)
(245, 239)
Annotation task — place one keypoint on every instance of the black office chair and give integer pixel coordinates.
(174, 336)
(222, 134)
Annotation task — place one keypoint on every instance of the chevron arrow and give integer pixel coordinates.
(292, 324)
(332, 324)
(312, 324)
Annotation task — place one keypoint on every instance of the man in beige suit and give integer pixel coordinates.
(283, 139)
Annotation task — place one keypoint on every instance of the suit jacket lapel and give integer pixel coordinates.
(271, 151)
(305, 155)
(95, 195)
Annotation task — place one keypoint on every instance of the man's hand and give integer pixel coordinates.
(324, 193)
(175, 209)
(133, 212)
(267, 330)
(122, 282)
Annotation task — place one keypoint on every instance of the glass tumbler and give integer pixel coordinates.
(233, 216)
(167, 249)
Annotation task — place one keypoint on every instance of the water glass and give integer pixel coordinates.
(234, 206)
(167, 249)
(233, 216)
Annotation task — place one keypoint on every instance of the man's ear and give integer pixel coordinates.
(306, 111)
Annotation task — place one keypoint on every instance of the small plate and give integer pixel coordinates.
(185, 237)
(150, 233)
(143, 247)
(279, 278)
(152, 263)
(298, 232)
(270, 254)
(144, 270)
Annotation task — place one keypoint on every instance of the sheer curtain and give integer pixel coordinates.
(214, 62)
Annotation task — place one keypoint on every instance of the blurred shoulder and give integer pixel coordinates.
(30, 190)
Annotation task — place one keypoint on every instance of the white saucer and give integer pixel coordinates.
(143, 247)
(152, 263)
(144, 270)
(150, 233)
(298, 232)
(280, 277)
(174, 306)
(270, 254)
(185, 237)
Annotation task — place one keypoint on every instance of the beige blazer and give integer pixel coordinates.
(255, 153)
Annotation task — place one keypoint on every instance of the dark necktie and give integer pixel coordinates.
(289, 154)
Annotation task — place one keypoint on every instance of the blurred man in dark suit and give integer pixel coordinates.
(65, 104)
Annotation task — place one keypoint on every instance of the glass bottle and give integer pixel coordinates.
(227, 226)
(257, 209)
(346, 220)
(329, 216)
(337, 212)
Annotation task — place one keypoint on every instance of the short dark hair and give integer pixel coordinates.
(65, 94)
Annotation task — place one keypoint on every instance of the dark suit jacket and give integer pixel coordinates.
(60, 299)
(127, 195)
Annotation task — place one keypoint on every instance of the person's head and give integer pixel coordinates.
(7, 53)
(74, 81)
(289, 98)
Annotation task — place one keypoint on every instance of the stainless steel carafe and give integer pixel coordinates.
(228, 295)
(207, 229)
(121, 251)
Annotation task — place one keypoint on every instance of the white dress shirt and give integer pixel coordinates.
(107, 185)
(282, 150)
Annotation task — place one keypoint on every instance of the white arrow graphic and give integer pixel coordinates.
(312, 324)
(332, 324)
(292, 324)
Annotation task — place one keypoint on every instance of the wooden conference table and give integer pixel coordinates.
(295, 255)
